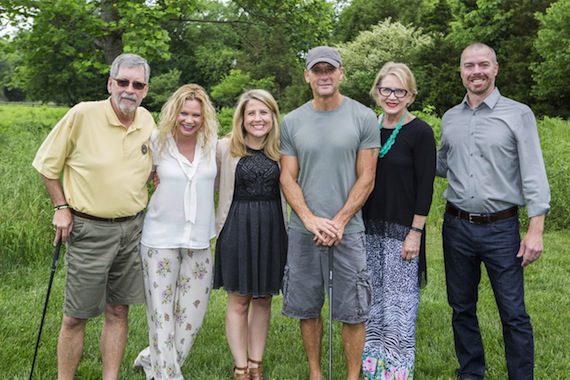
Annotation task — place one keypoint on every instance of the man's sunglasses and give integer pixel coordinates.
(126, 82)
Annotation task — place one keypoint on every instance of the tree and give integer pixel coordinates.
(361, 15)
(278, 36)
(67, 46)
(370, 50)
(232, 86)
(552, 72)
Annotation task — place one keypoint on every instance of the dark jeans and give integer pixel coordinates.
(465, 246)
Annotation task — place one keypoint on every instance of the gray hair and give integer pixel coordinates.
(130, 60)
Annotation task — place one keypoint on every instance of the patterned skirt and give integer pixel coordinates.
(391, 326)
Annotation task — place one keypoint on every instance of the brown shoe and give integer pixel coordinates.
(255, 372)
(240, 373)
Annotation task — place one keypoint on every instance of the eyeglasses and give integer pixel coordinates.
(126, 82)
(387, 91)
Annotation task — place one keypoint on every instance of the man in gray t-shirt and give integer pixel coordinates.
(330, 148)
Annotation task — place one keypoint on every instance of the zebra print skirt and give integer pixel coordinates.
(391, 326)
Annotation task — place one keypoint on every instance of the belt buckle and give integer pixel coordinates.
(473, 215)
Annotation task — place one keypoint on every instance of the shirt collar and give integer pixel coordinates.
(490, 101)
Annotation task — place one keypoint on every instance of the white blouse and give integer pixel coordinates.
(180, 213)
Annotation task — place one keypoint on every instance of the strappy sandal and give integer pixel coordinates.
(255, 372)
(243, 373)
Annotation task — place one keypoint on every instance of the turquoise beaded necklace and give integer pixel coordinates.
(384, 149)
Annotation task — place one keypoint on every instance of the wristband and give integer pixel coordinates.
(61, 207)
(420, 230)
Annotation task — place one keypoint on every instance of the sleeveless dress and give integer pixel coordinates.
(251, 249)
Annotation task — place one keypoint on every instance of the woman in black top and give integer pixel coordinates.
(394, 217)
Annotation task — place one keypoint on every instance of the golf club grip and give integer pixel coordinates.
(56, 254)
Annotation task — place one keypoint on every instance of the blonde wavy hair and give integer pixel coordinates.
(271, 148)
(400, 71)
(206, 136)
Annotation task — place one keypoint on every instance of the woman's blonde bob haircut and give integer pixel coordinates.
(404, 75)
(238, 147)
(207, 135)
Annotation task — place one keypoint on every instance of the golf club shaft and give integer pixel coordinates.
(53, 267)
(331, 262)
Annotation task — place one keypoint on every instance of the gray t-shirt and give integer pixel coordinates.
(326, 144)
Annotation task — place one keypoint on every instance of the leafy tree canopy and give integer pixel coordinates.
(552, 73)
(365, 56)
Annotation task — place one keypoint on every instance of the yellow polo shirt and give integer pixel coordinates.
(105, 166)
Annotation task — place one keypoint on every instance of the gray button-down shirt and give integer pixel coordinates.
(491, 157)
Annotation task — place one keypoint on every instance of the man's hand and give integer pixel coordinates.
(325, 231)
(531, 246)
(62, 224)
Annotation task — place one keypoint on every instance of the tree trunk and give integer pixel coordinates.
(112, 43)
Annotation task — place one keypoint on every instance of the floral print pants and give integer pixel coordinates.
(177, 286)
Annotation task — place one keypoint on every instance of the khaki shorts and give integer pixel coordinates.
(103, 266)
(306, 278)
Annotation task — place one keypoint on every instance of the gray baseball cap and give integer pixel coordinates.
(323, 54)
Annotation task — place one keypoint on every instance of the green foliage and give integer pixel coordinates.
(226, 93)
(160, 88)
(301, 24)
(361, 14)
(62, 50)
(26, 209)
(370, 50)
(225, 116)
(555, 141)
(552, 72)
(437, 75)
(297, 93)
(74, 41)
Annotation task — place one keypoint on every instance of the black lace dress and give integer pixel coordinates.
(251, 249)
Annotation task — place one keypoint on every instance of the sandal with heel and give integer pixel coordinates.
(255, 372)
(243, 373)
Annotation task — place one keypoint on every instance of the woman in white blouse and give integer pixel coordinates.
(178, 226)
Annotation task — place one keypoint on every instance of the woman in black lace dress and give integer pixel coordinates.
(251, 249)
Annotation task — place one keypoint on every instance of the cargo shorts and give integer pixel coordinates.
(306, 279)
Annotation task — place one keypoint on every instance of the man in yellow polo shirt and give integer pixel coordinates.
(102, 149)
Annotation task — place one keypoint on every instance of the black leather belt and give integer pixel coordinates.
(107, 220)
(481, 218)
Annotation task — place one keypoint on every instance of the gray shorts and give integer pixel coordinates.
(103, 266)
(306, 278)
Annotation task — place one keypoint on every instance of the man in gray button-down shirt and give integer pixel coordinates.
(490, 153)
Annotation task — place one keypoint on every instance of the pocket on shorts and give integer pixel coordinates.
(78, 230)
(363, 292)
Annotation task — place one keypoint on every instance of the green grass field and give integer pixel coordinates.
(22, 295)
(26, 253)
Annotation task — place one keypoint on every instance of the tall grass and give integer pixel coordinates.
(26, 251)
(22, 294)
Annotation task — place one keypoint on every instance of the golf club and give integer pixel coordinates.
(53, 266)
(331, 257)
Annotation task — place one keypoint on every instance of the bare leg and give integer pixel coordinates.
(70, 346)
(114, 339)
(236, 327)
(312, 333)
(353, 337)
(258, 327)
